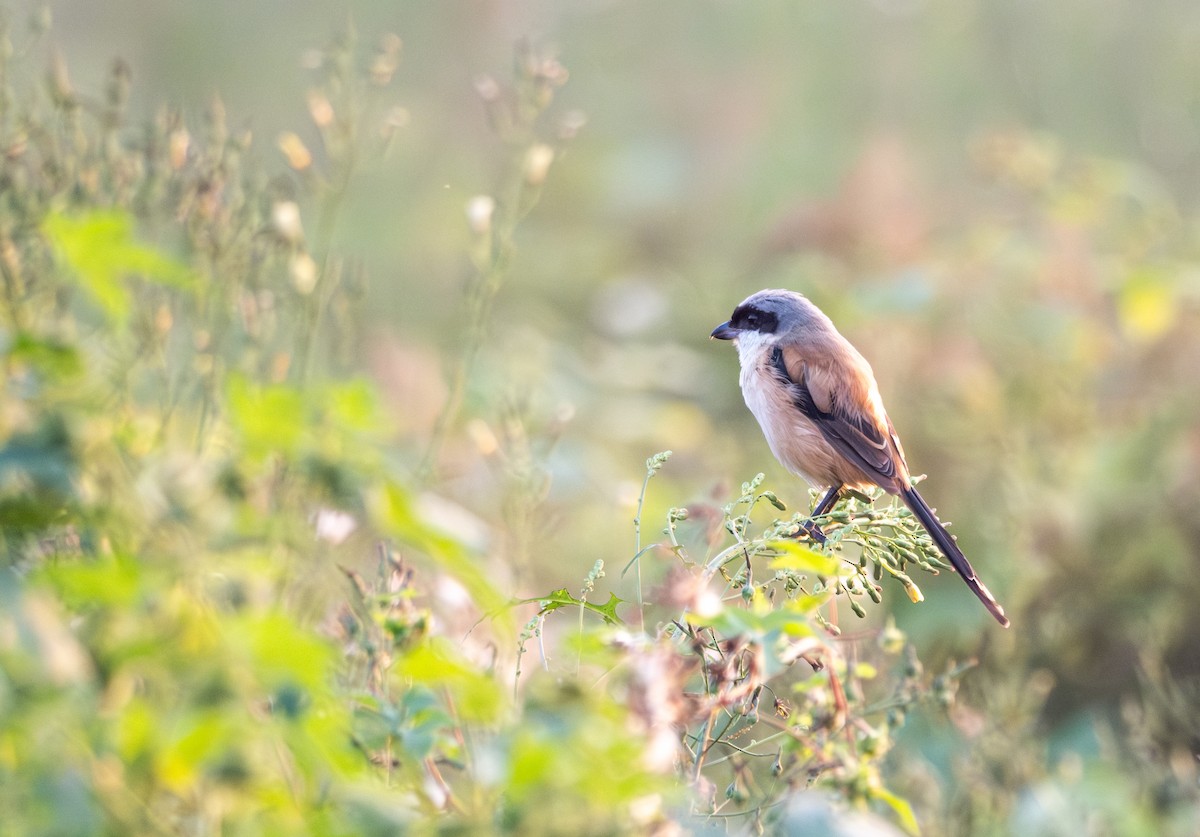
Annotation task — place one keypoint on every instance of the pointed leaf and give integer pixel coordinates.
(562, 598)
(801, 559)
(100, 249)
(904, 812)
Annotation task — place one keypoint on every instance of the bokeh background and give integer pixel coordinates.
(995, 202)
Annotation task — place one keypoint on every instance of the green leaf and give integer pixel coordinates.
(112, 581)
(562, 598)
(99, 248)
(51, 358)
(203, 735)
(904, 812)
(1146, 304)
(609, 609)
(764, 625)
(352, 406)
(477, 696)
(269, 419)
(801, 559)
(30, 512)
(808, 603)
(136, 730)
(281, 652)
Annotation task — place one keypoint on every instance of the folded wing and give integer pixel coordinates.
(865, 439)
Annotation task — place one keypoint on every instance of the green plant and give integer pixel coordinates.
(240, 593)
(749, 662)
(211, 621)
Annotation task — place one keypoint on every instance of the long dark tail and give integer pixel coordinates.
(950, 549)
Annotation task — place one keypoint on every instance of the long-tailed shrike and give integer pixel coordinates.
(818, 404)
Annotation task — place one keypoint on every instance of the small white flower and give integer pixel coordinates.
(334, 526)
(479, 213)
(452, 594)
(285, 218)
(707, 605)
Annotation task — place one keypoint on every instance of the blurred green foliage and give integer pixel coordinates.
(211, 621)
(300, 465)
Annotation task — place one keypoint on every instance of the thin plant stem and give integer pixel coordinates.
(637, 547)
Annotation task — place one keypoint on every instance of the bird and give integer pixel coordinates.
(818, 404)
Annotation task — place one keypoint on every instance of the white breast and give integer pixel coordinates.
(795, 441)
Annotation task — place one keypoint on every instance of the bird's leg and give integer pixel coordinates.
(827, 503)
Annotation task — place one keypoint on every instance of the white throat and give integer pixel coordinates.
(751, 345)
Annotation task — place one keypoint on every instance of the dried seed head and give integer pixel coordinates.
(537, 163)
(178, 144)
(41, 20)
(119, 80)
(384, 65)
(10, 257)
(481, 434)
(320, 109)
(163, 319)
(218, 129)
(280, 363)
(60, 81)
(293, 148)
(304, 272)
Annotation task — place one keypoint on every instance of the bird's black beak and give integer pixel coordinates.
(724, 332)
